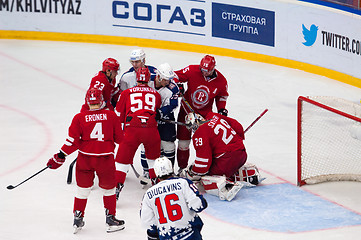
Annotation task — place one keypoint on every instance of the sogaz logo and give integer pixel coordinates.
(309, 35)
(186, 15)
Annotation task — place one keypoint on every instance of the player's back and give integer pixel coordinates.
(219, 134)
(98, 131)
(137, 106)
(172, 200)
(101, 82)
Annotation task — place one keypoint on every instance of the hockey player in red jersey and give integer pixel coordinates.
(205, 85)
(105, 80)
(137, 107)
(220, 153)
(93, 132)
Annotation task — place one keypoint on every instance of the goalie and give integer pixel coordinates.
(220, 155)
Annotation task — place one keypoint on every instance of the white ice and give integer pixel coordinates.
(43, 86)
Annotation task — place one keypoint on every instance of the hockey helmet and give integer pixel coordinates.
(207, 64)
(94, 96)
(143, 75)
(165, 71)
(111, 64)
(137, 54)
(163, 167)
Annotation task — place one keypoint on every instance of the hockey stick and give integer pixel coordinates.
(188, 105)
(135, 171)
(70, 172)
(12, 187)
(141, 178)
(263, 113)
(173, 122)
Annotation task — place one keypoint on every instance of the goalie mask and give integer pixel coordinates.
(163, 167)
(249, 173)
(194, 120)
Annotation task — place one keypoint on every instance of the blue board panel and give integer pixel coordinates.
(281, 208)
(243, 24)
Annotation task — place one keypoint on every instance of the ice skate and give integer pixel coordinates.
(113, 224)
(78, 221)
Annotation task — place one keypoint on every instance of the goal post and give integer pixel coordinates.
(328, 140)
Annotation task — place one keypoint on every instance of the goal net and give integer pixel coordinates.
(328, 139)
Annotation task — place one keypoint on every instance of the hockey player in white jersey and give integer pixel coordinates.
(169, 208)
(169, 91)
(137, 59)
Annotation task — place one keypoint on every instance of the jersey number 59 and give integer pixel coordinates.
(142, 101)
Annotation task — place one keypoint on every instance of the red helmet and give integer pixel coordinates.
(94, 96)
(207, 63)
(110, 63)
(143, 75)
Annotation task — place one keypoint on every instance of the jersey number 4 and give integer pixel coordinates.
(173, 210)
(97, 132)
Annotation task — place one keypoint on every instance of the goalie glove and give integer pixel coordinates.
(57, 160)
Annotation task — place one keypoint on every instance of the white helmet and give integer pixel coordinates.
(162, 167)
(165, 71)
(194, 120)
(137, 54)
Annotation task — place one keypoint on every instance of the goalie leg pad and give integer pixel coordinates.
(215, 185)
(221, 187)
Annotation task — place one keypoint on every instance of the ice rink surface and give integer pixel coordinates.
(43, 86)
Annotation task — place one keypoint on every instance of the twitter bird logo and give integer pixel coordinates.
(309, 35)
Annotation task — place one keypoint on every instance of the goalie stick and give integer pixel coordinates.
(70, 172)
(256, 120)
(12, 187)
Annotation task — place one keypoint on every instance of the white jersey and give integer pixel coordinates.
(170, 208)
(169, 96)
(129, 78)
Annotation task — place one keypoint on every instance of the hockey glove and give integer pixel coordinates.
(181, 88)
(57, 160)
(187, 173)
(223, 111)
(159, 114)
(152, 235)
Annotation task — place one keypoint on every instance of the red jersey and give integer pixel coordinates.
(94, 132)
(101, 82)
(137, 106)
(203, 91)
(214, 138)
